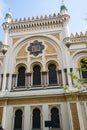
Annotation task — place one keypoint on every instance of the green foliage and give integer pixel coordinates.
(80, 84)
(85, 18)
(73, 75)
(86, 43)
(66, 88)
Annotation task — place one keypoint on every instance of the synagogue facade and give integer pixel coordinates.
(36, 57)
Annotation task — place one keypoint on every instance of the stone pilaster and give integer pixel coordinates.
(27, 117)
(65, 123)
(66, 76)
(1, 112)
(1, 81)
(44, 78)
(13, 81)
(7, 81)
(45, 116)
(74, 116)
(60, 77)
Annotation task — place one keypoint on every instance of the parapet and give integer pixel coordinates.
(76, 38)
(36, 23)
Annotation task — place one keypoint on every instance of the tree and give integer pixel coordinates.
(79, 83)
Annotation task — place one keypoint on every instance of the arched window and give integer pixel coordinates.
(36, 75)
(52, 74)
(83, 64)
(36, 119)
(21, 76)
(55, 118)
(18, 120)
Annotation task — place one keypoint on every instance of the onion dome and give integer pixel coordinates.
(63, 7)
(8, 15)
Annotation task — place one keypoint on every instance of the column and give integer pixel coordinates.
(47, 78)
(8, 118)
(69, 116)
(27, 117)
(65, 123)
(5, 66)
(63, 78)
(44, 78)
(82, 115)
(6, 55)
(45, 116)
(7, 81)
(1, 81)
(71, 70)
(60, 77)
(28, 80)
(31, 80)
(85, 108)
(4, 116)
(13, 81)
(1, 112)
(66, 76)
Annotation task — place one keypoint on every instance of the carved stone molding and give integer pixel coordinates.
(35, 48)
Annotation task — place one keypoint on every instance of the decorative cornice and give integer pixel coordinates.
(38, 23)
(77, 38)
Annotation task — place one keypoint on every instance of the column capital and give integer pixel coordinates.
(59, 71)
(65, 69)
(44, 72)
(28, 74)
(13, 75)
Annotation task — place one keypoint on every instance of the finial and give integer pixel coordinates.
(9, 9)
(62, 1)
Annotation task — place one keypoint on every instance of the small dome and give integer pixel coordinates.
(63, 7)
(8, 15)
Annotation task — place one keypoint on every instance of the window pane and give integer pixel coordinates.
(52, 74)
(55, 118)
(21, 76)
(83, 64)
(36, 118)
(18, 120)
(36, 75)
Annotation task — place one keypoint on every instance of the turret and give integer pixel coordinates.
(8, 17)
(65, 17)
(63, 9)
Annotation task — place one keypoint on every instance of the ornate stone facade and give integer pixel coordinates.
(35, 61)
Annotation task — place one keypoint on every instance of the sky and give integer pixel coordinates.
(77, 9)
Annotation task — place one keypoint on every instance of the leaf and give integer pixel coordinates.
(85, 18)
(66, 87)
(73, 75)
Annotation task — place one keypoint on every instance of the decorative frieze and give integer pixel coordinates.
(34, 24)
(77, 38)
